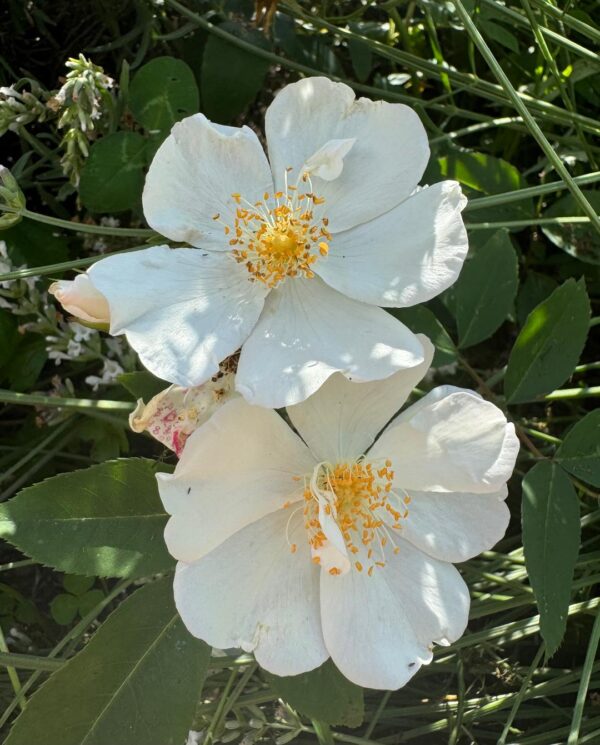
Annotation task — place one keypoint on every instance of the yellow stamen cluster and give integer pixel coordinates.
(360, 497)
(278, 237)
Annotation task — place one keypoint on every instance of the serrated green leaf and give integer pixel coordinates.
(323, 694)
(105, 521)
(142, 384)
(135, 683)
(64, 608)
(548, 347)
(162, 92)
(580, 240)
(580, 450)
(231, 77)
(422, 321)
(551, 535)
(113, 176)
(485, 290)
(535, 289)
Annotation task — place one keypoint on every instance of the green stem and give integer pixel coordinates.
(33, 399)
(493, 200)
(30, 662)
(63, 266)
(31, 453)
(520, 106)
(12, 673)
(80, 227)
(569, 393)
(17, 564)
(508, 224)
(519, 697)
(586, 674)
(209, 736)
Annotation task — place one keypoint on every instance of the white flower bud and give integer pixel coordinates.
(80, 298)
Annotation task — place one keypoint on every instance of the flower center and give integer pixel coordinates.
(279, 236)
(351, 513)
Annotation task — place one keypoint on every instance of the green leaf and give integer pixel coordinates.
(231, 77)
(551, 534)
(34, 244)
(498, 33)
(64, 608)
(486, 289)
(113, 177)
(78, 584)
(27, 361)
(162, 92)
(580, 450)
(89, 601)
(9, 337)
(487, 175)
(422, 321)
(580, 240)
(135, 683)
(322, 694)
(533, 290)
(142, 384)
(105, 521)
(548, 347)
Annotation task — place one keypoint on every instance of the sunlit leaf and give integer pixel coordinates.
(548, 347)
(105, 521)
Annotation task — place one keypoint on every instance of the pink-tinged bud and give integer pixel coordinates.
(81, 299)
(172, 415)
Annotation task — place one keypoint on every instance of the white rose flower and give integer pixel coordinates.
(338, 544)
(290, 257)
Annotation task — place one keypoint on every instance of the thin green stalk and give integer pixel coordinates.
(34, 399)
(17, 564)
(508, 224)
(12, 673)
(80, 227)
(520, 695)
(542, 436)
(63, 266)
(209, 735)
(30, 662)
(520, 106)
(570, 393)
(478, 86)
(493, 200)
(520, 20)
(568, 20)
(586, 674)
(323, 732)
(588, 367)
(33, 452)
(376, 716)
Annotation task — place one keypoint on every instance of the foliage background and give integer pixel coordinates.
(509, 93)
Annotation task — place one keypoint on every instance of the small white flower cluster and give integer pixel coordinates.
(66, 340)
(336, 537)
(19, 107)
(80, 103)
